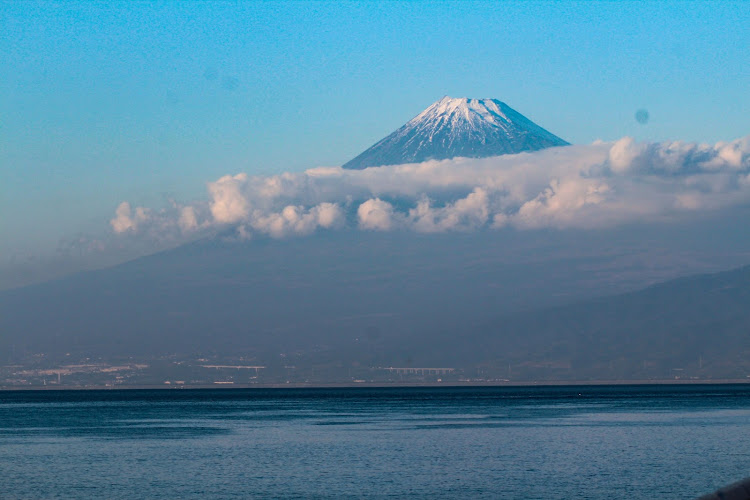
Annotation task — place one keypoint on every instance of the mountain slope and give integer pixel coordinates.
(692, 327)
(385, 299)
(462, 127)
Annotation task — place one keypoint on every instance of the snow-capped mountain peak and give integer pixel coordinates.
(453, 127)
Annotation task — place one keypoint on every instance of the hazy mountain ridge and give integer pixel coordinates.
(691, 327)
(458, 127)
(421, 300)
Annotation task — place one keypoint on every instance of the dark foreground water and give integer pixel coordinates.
(551, 443)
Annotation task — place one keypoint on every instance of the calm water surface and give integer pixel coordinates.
(540, 442)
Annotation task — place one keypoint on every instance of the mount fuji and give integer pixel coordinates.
(458, 127)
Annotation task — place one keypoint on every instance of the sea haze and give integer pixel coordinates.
(629, 442)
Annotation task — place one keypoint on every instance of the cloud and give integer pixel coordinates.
(228, 204)
(188, 220)
(562, 203)
(125, 220)
(295, 220)
(588, 186)
(471, 212)
(375, 214)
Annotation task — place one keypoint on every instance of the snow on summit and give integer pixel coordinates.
(458, 127)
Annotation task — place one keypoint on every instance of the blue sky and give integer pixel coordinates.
(112, 101)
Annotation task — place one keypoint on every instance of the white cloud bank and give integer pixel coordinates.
(598, 185)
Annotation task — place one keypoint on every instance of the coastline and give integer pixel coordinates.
(381, 385)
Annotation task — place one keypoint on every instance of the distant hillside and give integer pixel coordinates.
(270, 296)
(690, 327)
(396, 299)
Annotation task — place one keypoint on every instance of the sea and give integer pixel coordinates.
(555, 442)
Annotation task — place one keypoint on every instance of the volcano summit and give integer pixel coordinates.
(462, 127)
